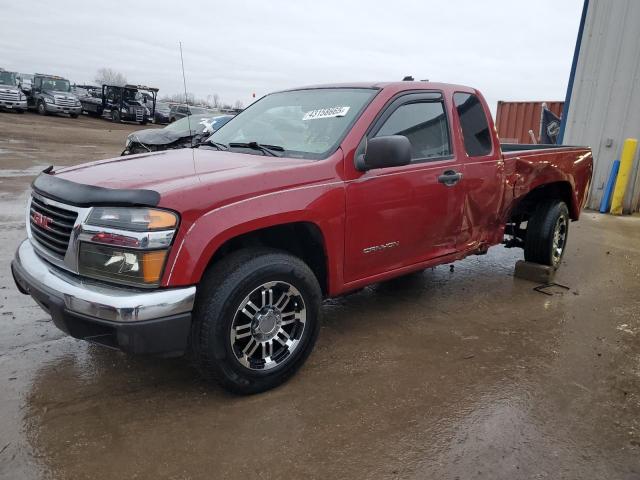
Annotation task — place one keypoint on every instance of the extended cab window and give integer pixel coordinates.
(424, 124)
(473, 121)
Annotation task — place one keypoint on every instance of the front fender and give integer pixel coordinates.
(319, 204)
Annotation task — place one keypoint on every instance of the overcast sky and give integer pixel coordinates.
(510, 50)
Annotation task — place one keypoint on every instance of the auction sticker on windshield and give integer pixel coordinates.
(326, 113)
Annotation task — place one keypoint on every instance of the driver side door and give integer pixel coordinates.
(404, 215)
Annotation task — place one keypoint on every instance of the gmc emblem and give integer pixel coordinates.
(41, 220)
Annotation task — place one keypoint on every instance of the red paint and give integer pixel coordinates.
(220, 195)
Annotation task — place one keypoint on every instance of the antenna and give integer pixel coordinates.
(186, 98)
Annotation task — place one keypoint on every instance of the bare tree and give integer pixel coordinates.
(238, 105)
(108, 76)
(216, 101)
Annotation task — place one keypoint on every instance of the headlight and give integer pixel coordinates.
(123, 110)
(128, 267)
(126, 245)
(77, 103)
(49, 100)
(135, 219)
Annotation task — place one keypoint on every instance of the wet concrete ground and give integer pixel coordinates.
(444, 375)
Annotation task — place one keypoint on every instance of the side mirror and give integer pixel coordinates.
(383, 152)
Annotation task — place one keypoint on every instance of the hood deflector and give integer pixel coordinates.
(81, 195)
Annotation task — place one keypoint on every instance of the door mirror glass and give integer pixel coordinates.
(383, 152)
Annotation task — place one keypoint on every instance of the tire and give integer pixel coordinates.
(547, 233)
(225, 288)
(115, 116)
(73, 115)
(42, 108)
(20, 111)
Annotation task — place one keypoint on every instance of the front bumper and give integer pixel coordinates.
(135, 321)
(12, 104)
(53, 108)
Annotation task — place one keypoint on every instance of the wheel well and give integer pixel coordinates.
(557, 190)
(302, 239)
(527, 205)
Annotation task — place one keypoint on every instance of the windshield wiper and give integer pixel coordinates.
(267, 149)
(216, 145)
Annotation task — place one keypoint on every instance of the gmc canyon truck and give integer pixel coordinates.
(226, 251)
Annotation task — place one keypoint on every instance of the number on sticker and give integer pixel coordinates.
(326, 113)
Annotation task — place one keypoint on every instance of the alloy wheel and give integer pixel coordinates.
(268, 325)
(559, 239)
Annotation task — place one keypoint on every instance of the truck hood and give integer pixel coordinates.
(200, 175)
(60, 95)
(8, 88)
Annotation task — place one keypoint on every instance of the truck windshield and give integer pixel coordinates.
(305, 123)
(56, 84)
(7, 78)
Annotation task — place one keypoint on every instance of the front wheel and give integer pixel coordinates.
(73, 115)
(42, 108)
(256, 319)
(547, 233)
(115, 116)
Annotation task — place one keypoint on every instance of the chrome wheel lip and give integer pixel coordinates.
(559, 241)
(268, 326)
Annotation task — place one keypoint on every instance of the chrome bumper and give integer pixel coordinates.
(17, 104)
(95, 299)
(53, 108)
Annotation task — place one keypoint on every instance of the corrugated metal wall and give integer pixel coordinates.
(515, 119)
(605, 101)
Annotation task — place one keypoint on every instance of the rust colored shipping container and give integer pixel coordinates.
(515, 119)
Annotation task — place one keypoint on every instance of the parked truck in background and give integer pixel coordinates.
(226, 251)
(90, 97)
(52, 94)
(11, 97)
(129, 103)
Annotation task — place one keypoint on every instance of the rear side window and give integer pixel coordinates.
(424, 124)
(475, 128)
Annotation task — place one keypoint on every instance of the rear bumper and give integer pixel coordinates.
(135, 321)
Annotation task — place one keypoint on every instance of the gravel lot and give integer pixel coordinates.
(446, 374)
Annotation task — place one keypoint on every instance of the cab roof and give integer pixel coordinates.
(396, 86)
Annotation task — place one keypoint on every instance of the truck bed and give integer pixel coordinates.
(516, 147)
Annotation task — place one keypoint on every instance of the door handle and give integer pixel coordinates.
(449, 178)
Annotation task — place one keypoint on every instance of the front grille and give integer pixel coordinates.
(10, 96)
(65, 102)
(139, 114)
(51, 226)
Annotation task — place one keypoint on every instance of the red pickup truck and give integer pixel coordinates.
(225, 251)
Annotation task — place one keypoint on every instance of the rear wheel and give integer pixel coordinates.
(255, 320)
(547, 233)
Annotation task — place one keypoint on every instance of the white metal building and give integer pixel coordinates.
(602, 106)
